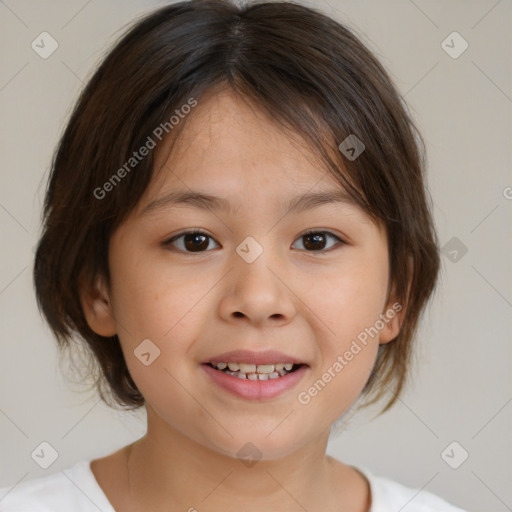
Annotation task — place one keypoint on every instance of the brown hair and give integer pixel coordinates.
(307, 72)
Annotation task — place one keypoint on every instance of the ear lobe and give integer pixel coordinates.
(394, 314)
(392, 319)
(97, 307)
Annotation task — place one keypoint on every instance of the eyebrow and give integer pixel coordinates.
(204, 201)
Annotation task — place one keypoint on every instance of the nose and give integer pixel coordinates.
(258, 293)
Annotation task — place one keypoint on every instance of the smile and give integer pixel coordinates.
(255, 382)
(256, 372)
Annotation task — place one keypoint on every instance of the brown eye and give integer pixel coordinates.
(317, 240)
(190, 241)
(195, 242)
(314, 241)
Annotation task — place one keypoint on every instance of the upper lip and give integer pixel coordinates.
(249, 357)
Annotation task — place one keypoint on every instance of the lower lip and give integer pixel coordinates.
(255, 389)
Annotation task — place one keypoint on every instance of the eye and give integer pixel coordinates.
(193, 241)
(315, 241)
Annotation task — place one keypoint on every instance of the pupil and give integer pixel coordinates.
(313, 239)
(192, 238)
(197, 241)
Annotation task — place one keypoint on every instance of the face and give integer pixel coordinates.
(260, 277)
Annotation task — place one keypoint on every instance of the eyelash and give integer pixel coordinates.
(169, 242)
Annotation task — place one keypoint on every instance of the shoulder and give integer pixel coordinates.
(73, 488)
(390, 495)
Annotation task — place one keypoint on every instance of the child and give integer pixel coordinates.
(271, 139)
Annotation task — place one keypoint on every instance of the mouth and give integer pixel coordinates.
(255, 375)
(256, 372)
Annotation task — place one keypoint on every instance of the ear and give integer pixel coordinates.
(97, 307)
(394, 312)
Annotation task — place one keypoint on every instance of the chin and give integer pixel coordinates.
(250, 446)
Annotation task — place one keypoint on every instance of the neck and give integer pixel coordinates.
(166, 470)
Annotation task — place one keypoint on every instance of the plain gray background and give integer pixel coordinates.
(461, 389)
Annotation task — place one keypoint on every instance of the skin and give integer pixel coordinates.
(308, 303)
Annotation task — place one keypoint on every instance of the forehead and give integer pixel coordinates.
(229, 148)
(229, 135)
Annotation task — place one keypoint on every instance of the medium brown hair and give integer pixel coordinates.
(309, 73)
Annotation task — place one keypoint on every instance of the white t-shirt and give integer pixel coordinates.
(76, 489)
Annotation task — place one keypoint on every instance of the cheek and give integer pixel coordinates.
(348, 301)
(154, 298)
(158, 302)
(346, 308)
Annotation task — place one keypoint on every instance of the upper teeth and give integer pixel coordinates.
(253, 368)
